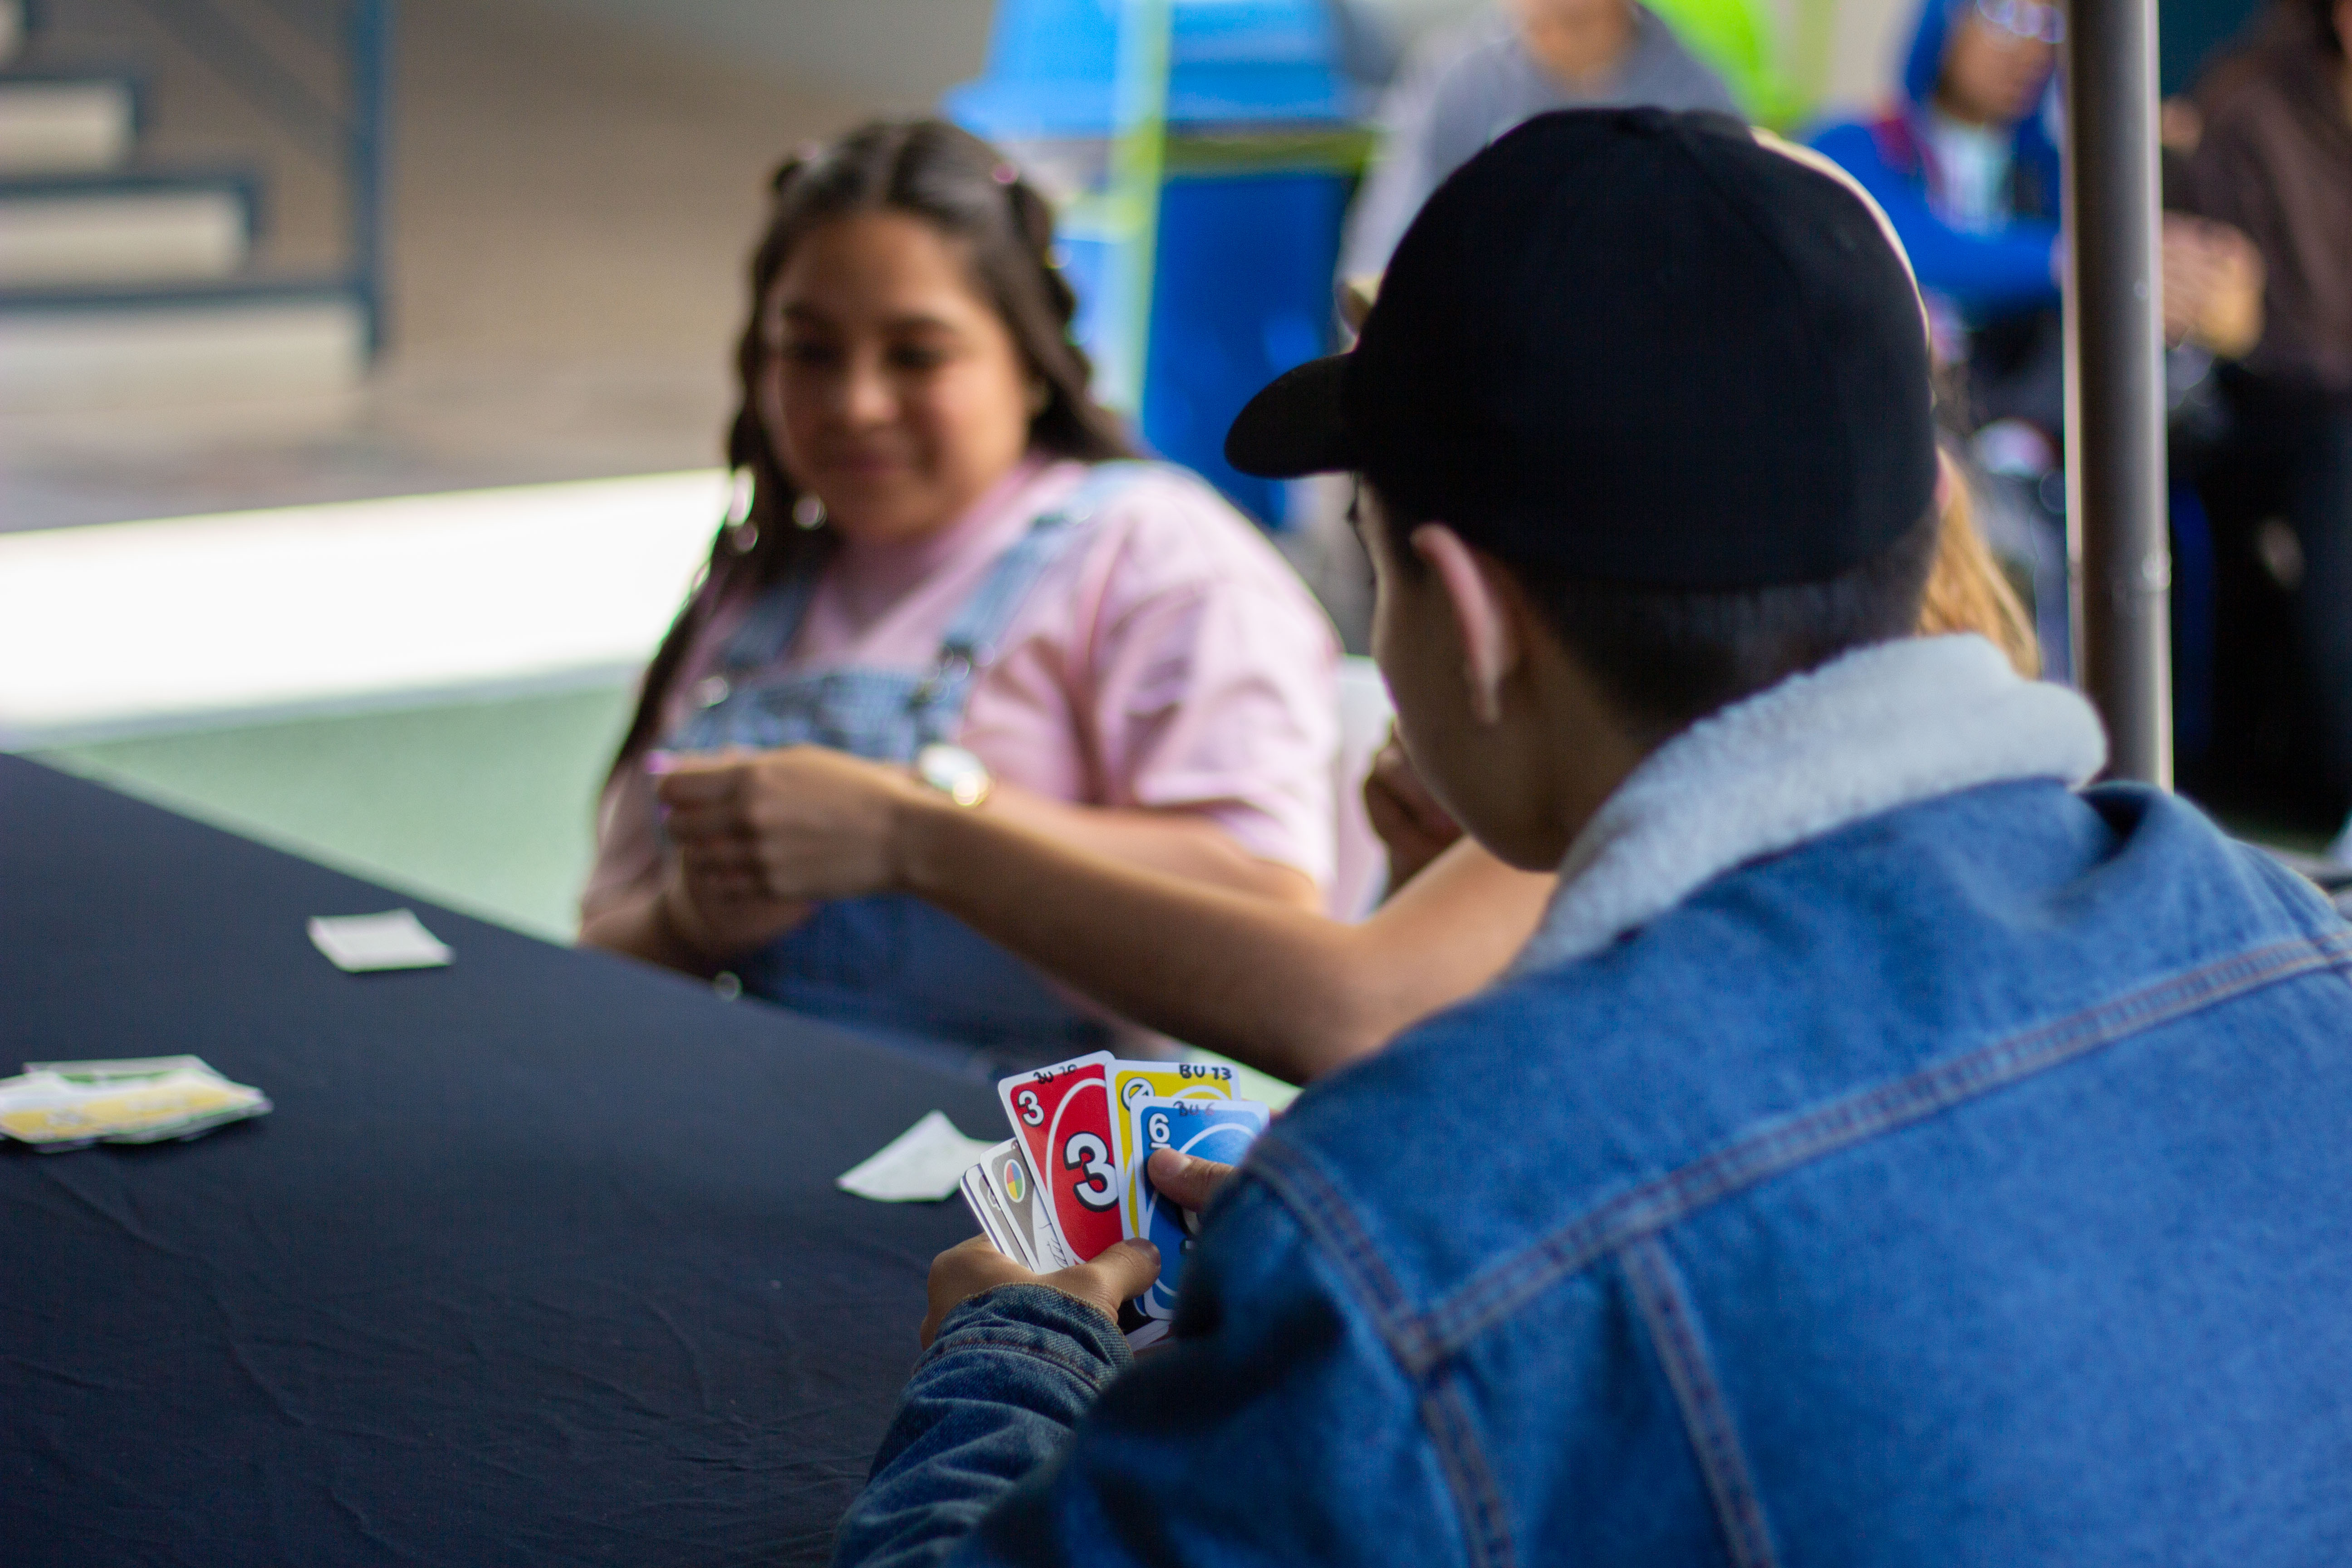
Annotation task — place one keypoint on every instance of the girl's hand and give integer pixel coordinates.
(1414, 828)
(803, 822)
(718, 923)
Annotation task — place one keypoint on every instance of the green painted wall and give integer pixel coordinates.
(486, 806)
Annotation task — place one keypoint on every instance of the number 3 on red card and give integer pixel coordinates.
(1084, 1152)
(1032, 1111)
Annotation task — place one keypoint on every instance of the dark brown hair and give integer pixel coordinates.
(1666, 657)
(2322, 14)
(967, 190)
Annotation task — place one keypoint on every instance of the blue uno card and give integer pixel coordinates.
(1221, 1129)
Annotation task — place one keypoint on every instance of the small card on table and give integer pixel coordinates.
(58, 1105)
(393, 940)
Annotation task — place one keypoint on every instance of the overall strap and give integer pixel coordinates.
(774, 619)
(972, 638)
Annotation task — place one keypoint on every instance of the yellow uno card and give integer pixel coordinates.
(1132, 1081)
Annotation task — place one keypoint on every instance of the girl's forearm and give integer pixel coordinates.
(1191, 847)
(1270, 984)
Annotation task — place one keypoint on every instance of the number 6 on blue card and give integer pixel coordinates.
(1220, 1130)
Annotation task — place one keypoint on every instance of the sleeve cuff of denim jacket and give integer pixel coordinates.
(1012, 1370)
(991, 1401)
(1039, 1321)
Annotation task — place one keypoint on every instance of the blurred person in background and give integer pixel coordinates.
(1966, 165)
(1465, 85)
(942, 560)
(2264, 145)
(1282, 989)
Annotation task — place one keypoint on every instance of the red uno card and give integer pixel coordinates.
(1062, 1116)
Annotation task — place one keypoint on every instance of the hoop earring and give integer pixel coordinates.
(742, 533)
(808, 512)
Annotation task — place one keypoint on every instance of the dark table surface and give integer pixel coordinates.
(538, 1260)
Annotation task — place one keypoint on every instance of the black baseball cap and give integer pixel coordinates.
(1633, 346)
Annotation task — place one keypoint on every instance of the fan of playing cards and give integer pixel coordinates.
(1071, 1180)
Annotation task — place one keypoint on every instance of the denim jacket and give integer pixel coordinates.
(1966, 1180)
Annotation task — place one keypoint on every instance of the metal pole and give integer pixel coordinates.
(2115, 384)
(1139, 155)
(369, 132)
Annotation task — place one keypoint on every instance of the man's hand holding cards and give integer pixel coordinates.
(1073, 1182)
(1216, 1130)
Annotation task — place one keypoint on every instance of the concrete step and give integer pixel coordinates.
(236, 340)
(83, 230)
(66, 122)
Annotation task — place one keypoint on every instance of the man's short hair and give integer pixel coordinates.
(1666, 657)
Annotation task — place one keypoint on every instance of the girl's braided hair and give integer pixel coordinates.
(972, 197)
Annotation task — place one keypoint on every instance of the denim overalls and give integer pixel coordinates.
(889, 962)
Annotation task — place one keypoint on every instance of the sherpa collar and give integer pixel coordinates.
(1882, 727)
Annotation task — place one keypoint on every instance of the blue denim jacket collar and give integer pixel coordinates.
(1882, 727)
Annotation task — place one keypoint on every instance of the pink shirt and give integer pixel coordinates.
(1168, 658)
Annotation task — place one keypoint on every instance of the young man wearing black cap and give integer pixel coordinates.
(1884, 1153)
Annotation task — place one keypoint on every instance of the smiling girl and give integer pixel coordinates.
(944, 558)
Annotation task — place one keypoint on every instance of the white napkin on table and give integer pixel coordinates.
(923, 1164)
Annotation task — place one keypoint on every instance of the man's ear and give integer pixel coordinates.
(1483, 613)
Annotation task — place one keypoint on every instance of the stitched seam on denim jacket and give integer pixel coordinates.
(2292, 894)
(1324, 1214)
(1707, 1419)
(1095, 1378)
(1851, 1119)
(1486, 1524)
